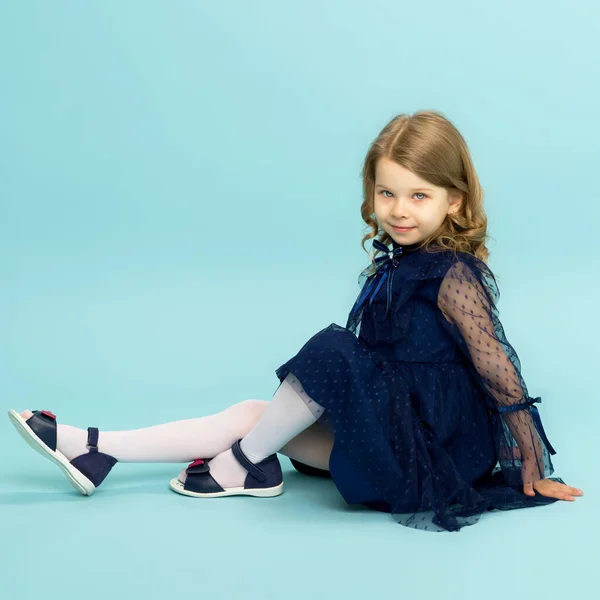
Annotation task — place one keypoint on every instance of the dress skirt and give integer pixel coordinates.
(410, 438)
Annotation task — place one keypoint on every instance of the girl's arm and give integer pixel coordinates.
(467, 300)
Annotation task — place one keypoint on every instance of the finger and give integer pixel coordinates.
(561, 492)
(528, 489)
(567, 492)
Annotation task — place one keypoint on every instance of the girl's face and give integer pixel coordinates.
(405, 200)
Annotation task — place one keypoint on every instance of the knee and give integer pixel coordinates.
(254, 408)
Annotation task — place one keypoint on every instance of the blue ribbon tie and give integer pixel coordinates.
(385, 270)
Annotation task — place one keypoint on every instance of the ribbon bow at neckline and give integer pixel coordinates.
(385, 270)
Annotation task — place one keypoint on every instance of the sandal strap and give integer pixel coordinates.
(92, 441)
(43, 424)
(256, 472)
(198, 478)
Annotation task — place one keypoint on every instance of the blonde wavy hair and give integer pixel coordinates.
(429, 145)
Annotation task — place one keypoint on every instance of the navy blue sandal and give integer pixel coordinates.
(264, 479)
(86, 471)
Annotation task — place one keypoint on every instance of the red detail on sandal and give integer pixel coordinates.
(198, 461)
(49, 414)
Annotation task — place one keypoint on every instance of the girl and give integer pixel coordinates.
(416, 407)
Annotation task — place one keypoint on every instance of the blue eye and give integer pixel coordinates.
(416, 194)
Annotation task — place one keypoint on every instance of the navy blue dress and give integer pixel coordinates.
(431, 419)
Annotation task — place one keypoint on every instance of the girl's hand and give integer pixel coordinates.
(552, 489)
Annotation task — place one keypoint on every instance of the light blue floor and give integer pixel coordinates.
(136, 538)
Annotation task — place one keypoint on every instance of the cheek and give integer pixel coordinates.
(378, 210)
(432, 216)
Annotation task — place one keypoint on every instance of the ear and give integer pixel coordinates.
(455, 199)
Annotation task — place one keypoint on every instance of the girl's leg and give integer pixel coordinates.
(184, 441)
(178, 441)
(285, 424)
(290, 412)
(311, 447)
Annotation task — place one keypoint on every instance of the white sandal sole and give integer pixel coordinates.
(177, 486)
(75, 477)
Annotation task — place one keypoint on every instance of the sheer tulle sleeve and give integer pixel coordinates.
(467, 298)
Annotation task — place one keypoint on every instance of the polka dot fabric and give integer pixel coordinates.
(432, 421)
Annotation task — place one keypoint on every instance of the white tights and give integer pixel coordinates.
(286, 425)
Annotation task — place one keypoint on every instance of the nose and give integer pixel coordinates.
(400, 208)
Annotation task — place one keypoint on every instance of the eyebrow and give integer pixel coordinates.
(413, 189)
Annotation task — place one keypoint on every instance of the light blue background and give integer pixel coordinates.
(180, 193)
